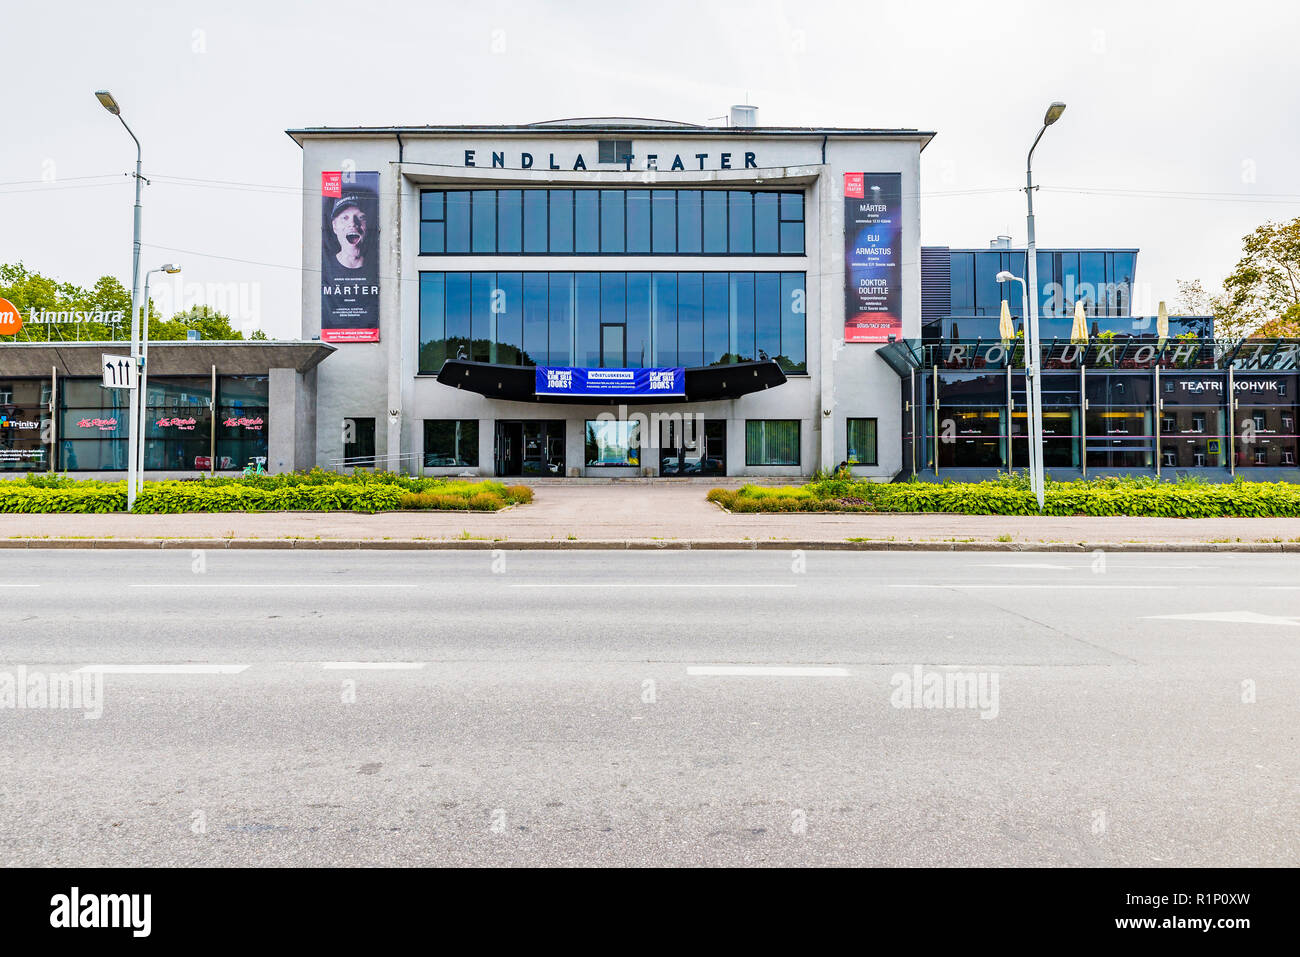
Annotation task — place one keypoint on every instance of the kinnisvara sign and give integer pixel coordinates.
(46, 316)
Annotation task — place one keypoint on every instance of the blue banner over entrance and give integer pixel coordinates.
(611, 382)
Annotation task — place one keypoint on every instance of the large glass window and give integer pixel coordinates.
(242, 417)
(972, 426)
(690, 221)
(1192, 420)
(535, 225)
(596, 319)
(1265, 421)
(586, 222)
(178, 424)
(1061, 410)
(24, 416)
(561, 221)
(660, 222)
(613, 443)
(638, 221)
(1120, 428)
(450, 443)
(772, 442)
(458, 220)
(612, 230)
(92, 431)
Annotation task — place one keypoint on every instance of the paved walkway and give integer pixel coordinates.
(640, 515)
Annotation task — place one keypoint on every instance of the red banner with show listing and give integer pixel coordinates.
(349, 309)
(872, 253)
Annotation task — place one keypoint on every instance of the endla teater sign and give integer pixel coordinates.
(10, 319)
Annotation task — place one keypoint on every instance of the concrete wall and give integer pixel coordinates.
(369, 379)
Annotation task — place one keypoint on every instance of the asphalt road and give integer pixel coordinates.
(651, 708)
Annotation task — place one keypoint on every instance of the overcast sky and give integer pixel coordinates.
(1180, 137)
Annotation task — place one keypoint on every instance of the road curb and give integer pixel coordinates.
(875, 545)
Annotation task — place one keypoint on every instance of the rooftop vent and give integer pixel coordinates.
(1000, 242)
(744, 115)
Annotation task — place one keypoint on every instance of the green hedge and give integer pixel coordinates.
(1010, 495)
(316, 491)
(18, 497)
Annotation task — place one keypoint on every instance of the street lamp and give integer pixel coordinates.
(1030, 423)
(170, 269)
(133, 437)
(1032, 372)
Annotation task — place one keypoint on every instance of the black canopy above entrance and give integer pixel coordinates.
(704, 384)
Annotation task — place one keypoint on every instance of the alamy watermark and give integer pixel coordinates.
(946, 690)
(24, 690)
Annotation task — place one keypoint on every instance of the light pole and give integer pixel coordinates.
(1032, 371)
(170, 269)
(1031, 424)
(133, 436)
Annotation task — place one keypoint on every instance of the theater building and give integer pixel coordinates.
(611, 297)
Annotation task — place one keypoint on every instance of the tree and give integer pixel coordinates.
(1263, 291)
(210, 324)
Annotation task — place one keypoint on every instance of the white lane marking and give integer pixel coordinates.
(1040, 585)
(338, 584)
(163, 669)
(1233, 617)
(371, 665)
(1044, 565)
(20, 585)
(653, 585)
(775, 671)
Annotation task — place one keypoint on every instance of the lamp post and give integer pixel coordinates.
(133, 436)
(1032, 370)
(170, 269)
(1031, 423)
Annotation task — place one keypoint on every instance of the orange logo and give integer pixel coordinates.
(10, 319)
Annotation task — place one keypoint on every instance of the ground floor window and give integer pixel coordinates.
(772, 442)
(613, 443)
(691, 445)
(861, 435)
(450, 443)
(359, 442)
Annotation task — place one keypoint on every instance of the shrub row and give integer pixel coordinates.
(365, 492)
(1011, 495)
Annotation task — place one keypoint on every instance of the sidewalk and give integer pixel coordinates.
(641, 516)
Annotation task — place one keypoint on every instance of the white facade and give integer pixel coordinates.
(381, 380)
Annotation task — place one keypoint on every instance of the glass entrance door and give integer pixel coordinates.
(532, 447)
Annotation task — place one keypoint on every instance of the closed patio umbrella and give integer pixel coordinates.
(1079, 331)
(1162, 322)
(1006, 330)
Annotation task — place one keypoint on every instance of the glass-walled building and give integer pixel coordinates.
(610, 297)
(1119, 406)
